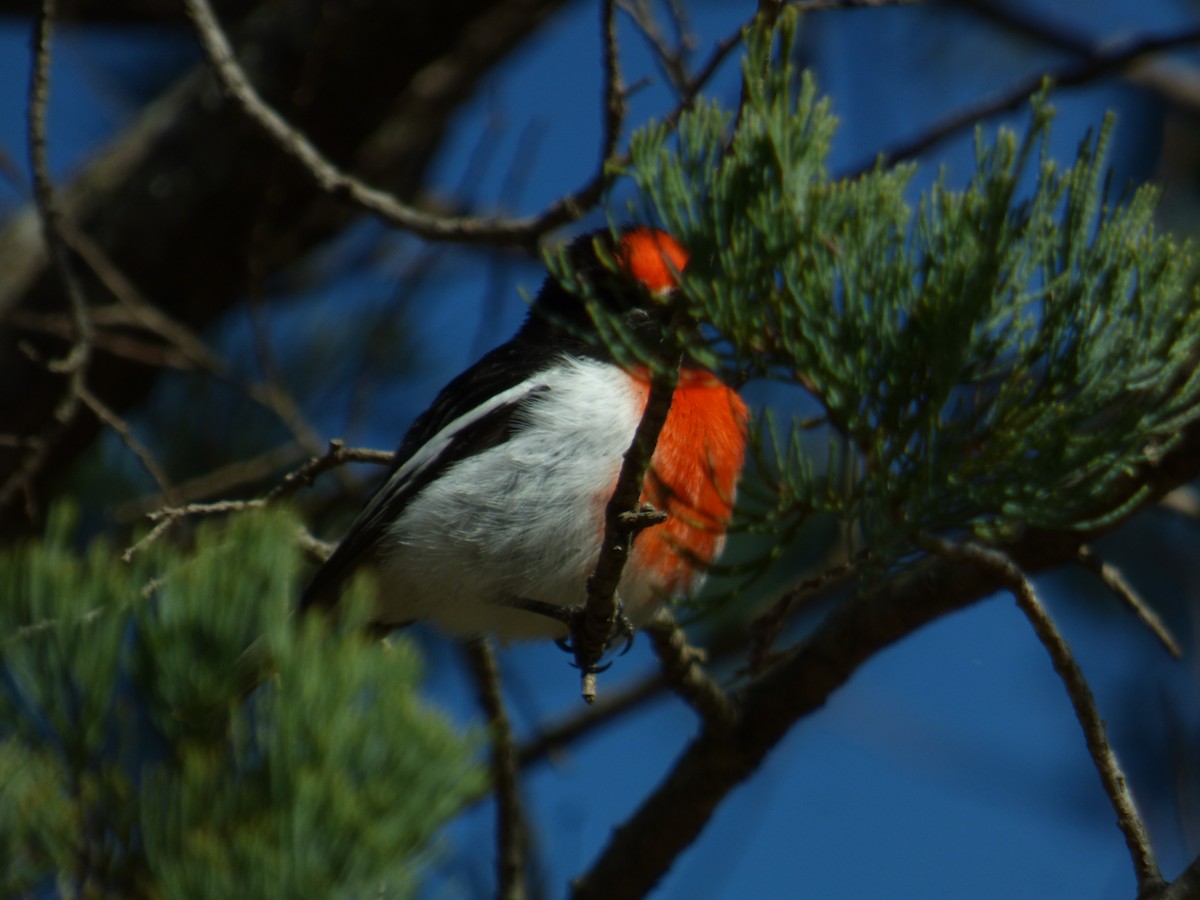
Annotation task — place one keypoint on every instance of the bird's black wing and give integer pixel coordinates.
(482, 401)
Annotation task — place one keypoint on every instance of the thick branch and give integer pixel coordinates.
(644, 848)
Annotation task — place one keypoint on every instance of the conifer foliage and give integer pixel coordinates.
(168, 730)
(996, 358)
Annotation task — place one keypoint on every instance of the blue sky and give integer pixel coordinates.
(951, 765)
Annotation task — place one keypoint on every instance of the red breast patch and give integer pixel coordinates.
(693, 478)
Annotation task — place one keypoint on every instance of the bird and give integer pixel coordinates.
(494, 509)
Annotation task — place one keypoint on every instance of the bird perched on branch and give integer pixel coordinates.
(495, 508)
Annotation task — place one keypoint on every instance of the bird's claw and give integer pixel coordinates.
(622, 628)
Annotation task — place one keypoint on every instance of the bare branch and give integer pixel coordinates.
(1102, 61)
(609, 706)
(671, 59)
(766, 627)
(614, 89)
(331, 179)
(723, 646)
(1177, 81)
(511, 833)
(712, 765)
(1185, 887)
(224, 479)
(74, 364)
(1124, 591)
(153, 468)
(337, 455)
(592, 631)
(516, 231)
(1007, 573)
(682, 669)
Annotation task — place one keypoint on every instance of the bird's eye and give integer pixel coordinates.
(637, 317)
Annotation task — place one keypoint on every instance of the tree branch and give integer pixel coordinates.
(140, 451)
(713, 764)
(334, 181)
(511, 834)
(593, 630)
(1008, 574)
(1101, 61)
(1112, 579)
(612, 704)
(74, 364)
(337, 455)
(177, 201)
(683, 672)
(1185, 887)
(1177, 82)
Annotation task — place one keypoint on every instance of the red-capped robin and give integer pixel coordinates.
(495, 504)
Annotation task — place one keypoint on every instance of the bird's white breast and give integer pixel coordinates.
(519, 521)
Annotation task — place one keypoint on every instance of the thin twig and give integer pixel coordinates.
(765, 628)
(337, 455)
(331, 179)
(522, 231)
(1174, 80)
(614, 89)
(682, 669)
(44, 194)
(512, 839)
(1124, 591)
(724, 646)
(613, 703)
(1013, 579)
(121, 428)
(221, 480)
(1100, 62)
(671, 59)
(593, 630)
(74, 363)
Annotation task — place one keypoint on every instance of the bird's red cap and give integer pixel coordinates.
(652, 257)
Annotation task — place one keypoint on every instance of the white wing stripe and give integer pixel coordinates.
(429, 452)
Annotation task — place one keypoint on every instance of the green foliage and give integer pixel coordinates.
(168, 730)
(1001, 357)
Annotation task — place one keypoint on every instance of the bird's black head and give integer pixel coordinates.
(632, 276)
